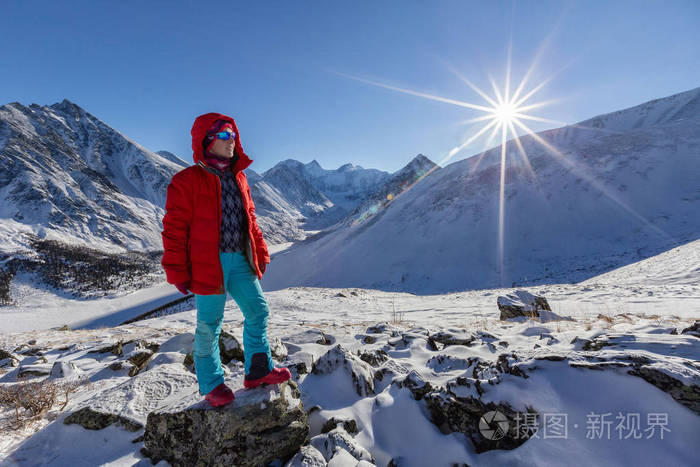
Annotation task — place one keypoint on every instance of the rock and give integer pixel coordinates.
(332, 444)
(443, 363)
(550, 338)
(325, 339)
(408, 340)
(360, 372)
(681, 380)
(63, 369)
(299, 364)
(115, 349)
(189, 363)
(522, 303)
(551, 357)
(504, 364)
(340, 294)
(139, 360)
(454, 337)
(259, 426)
(297, 369)
(385, 375)
(95, 420)
(9, 359)
(693, 330)
(463, 414)
(38, 351)
(19, 348)
(597, 343)
(688, 395)
(369, 339)
(308, 456)
(415, 383)
(136, 397)
(374, 357)
(348, 424)
(383, 328)
(121, 347)
(230, 348)
(278, 349)
(40, 369)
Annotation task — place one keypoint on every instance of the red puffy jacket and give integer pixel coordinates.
(192, 219)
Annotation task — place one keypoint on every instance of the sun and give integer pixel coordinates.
(505, 113)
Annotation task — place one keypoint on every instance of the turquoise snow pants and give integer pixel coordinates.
(242, 284)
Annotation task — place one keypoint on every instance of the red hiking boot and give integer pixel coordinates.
(220, 395)
(276, 376)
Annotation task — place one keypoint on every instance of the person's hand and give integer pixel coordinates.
(183, 287)
(263, 266)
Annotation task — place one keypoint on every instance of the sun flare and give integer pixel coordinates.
(503, 113)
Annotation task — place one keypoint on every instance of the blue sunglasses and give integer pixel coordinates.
(225, 135)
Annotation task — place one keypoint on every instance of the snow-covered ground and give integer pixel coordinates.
(635, 313)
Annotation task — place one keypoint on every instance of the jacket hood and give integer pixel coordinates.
(199, 132)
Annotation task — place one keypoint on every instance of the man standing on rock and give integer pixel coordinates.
(212, 245)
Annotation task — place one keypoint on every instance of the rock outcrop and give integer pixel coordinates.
(522, 303)
(361, 373)
(258, 427)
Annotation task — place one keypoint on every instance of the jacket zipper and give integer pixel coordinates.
(250, 240)
(222, 289)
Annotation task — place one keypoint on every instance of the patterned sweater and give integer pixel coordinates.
(234, 222)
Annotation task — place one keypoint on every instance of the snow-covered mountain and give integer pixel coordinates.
(292, 198)
(67, 175)
(621, 187)
(398, 182)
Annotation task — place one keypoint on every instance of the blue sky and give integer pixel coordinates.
(282, 69)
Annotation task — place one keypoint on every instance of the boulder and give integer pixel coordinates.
(339, 358)
(308, 456)
(138, 354)
(454, 337)
(9, 359)
(444, 363)
(230, 348)
(693, 330)
(409, 339)
(464, 415)
(63, 369)
(278, 349)
(339, 448)
(385, 375)
(348, 424)
(374, 357)
(415, 383)
(39, 369)
(520, 303)
(136, 397)
(95, 420)
(260, 426)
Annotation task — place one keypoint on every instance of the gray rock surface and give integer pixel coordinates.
(260, 426)
(361, 373)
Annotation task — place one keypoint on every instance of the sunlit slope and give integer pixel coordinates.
(620, 188)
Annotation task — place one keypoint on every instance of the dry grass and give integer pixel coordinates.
(396, 316)
(29, 401)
